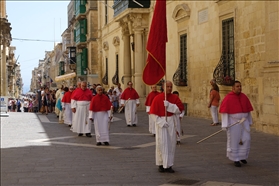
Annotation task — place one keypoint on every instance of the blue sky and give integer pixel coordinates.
(38, 20)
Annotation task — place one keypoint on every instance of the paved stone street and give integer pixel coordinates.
(37, 150)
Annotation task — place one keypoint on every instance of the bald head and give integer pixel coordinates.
(168, 87)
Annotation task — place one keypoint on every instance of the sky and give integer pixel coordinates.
(35, 20)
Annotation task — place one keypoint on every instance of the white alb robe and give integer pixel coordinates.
(131, 111)
(237, 133)
(81, 122)
(101, 125)
(67, 113)
(151, 122)
(166, 137)
(178, 125)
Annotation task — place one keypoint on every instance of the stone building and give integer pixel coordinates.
(225, 40)
(5, 39)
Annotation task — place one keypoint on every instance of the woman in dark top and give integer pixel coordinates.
(46, 100)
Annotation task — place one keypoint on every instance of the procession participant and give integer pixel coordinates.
(130, 99)
(165, 127)
(100, 113)
(66, 106)
(80, 101)
(178, 126)
(234, 107)
(148, 102)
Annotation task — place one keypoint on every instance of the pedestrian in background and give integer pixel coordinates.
(46, 100)
(214, 99)
(234, 107)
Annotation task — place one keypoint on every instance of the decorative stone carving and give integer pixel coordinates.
(116, 41)
(105, 45)
(180, 12)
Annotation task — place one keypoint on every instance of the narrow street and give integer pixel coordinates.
(37, 150)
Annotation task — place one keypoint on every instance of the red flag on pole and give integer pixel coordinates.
(155, 67)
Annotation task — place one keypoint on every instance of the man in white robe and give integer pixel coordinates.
(234, 107)
(148, 102)
(165, 127)
(100, 112)
(80, 106)
(130, 100)
(178, 126)
(66, 106)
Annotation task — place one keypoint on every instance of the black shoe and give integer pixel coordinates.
(170, 170)
(99, 143)
(69, 125)
(128, 125)
(80, 134)
(88, 135)
(161, 168)
(134, 125)
(237, 164)
(106, 143)
(178, 143)
(243, 161)
(154, 135)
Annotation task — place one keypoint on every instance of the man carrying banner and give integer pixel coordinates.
(148, 102)
(163, 113)
(100, 112)
(130, 99)
(234, 107)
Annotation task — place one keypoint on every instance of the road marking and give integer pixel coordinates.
(52, 141)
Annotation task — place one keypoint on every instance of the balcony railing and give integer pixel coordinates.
(121, 5)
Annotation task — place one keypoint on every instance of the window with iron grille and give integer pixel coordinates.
(115, 78)
(180, 76)
(105, 78)
(224, 73)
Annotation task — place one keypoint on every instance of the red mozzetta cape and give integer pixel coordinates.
(235, 103)
(158, 108)
(129, 93)
(100, 103)
(82, 95)
(150, 97)
(67, 97)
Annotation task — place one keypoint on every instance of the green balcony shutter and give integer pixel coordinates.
(61, 68)
(82, 62)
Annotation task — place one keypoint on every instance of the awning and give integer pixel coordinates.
(65, 77)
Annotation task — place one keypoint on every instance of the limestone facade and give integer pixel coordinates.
(123, 38)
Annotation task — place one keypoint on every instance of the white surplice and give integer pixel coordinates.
(131, 111)
(237, 133)
(101, 125)
(178, 125)
(151, 121)
(67, 113)
(81, 122)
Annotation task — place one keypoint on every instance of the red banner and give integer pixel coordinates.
(155, 67)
